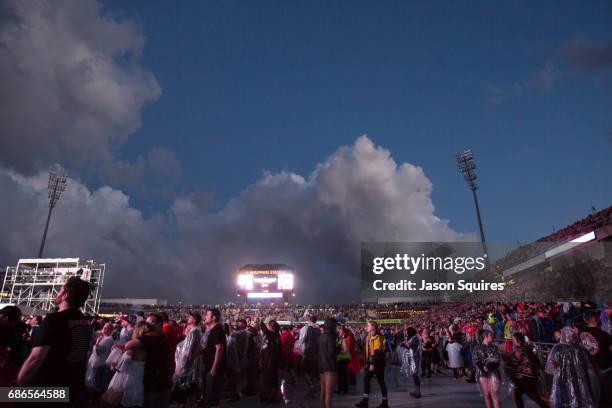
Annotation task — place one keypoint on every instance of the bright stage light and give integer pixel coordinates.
(285, 281)
(264, 295)
(245, 282)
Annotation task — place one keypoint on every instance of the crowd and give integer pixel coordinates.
(524, 252)
(201, 356)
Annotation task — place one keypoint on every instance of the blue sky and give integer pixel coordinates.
(248, 87)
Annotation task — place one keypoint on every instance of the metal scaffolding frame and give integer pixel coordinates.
(36, 282)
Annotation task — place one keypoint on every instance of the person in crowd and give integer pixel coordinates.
(309, 337)
(287, 344)
(574, 373)
(411, 359)
(355, 364)
(61, 344)
(8, 369)
(169, 329)
(253, 358)
(127, 384)
(232, 366)
(375, 365)
(157, 370)
(10, 317)
(435, 356)
(500, 325)
(21, 349)
(271, 357)
(327, 360)
(101, 372)
(242, 347)
(523, 368)
(127, 328)
(597, 341)
(508, 333)
(455, 356)
(187, 376)
(342, 360)
(34, 323)
(426, 354)
(487, 361)
(213, 357)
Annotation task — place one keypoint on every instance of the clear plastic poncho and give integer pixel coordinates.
(187, 370)
(573, 372)
(409, 355)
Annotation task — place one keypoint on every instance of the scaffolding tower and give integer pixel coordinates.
(35, 283)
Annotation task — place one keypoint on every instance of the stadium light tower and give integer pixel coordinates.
(467, 168)
(56, 186)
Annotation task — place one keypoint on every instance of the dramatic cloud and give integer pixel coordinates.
(315, 224)
(97, 225)
(584, 55)
(72, 85)
(160, 168)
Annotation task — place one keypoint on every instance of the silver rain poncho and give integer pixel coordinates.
(187, 370)
(409, 355)
(573, 373)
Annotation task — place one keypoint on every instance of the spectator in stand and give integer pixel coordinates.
(59, 353)
(327, 360)
(214, 356)
(597, 342)
(375, 365)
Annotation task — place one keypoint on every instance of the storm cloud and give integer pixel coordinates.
(72, 84)
(314, 223)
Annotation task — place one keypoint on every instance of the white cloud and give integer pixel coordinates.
(314, 223)
(72, 85)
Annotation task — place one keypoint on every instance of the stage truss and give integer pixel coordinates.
(35, 283)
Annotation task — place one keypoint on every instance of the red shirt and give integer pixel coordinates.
(170, 332)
